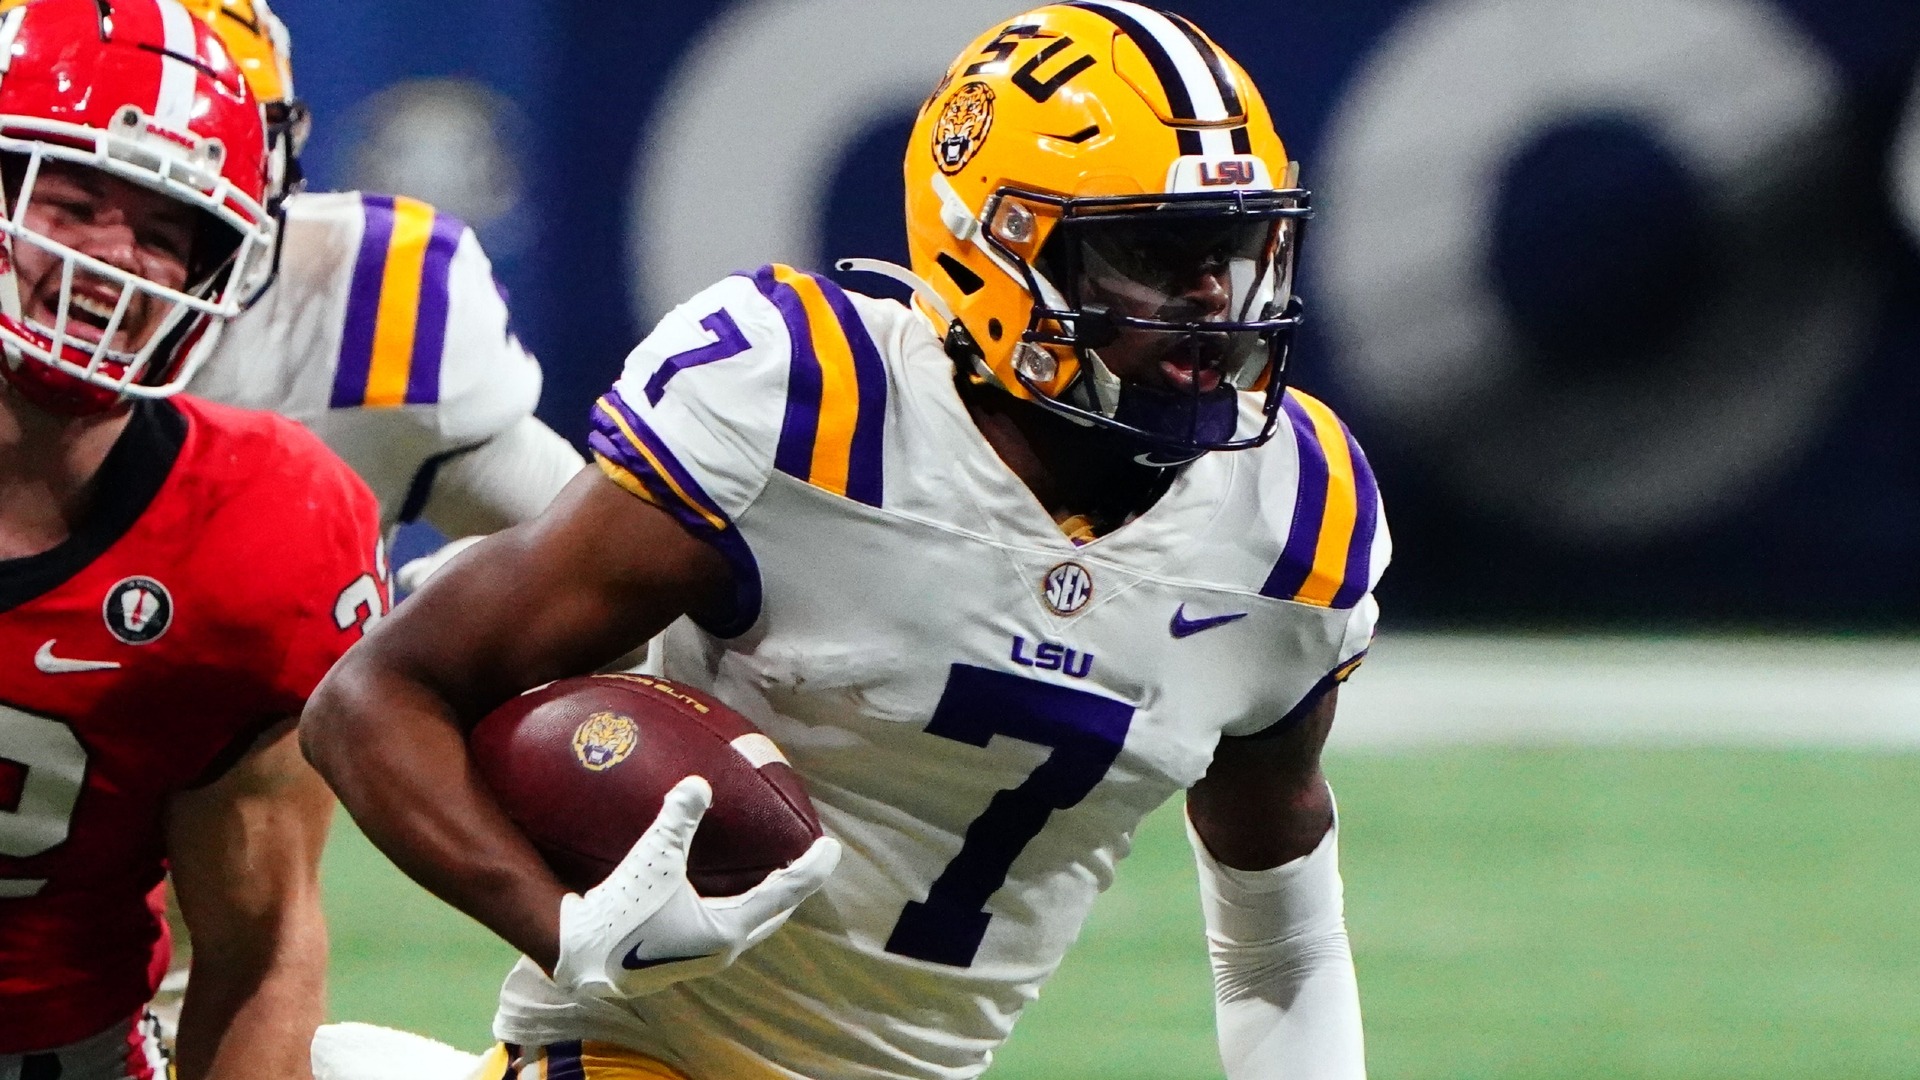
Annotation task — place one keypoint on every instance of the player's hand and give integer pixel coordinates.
(645, 928)
(414, 572)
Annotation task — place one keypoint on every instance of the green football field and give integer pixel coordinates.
(1537, 914)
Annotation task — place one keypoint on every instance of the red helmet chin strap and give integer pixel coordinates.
(55, 391)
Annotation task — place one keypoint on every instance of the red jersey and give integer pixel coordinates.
(228, 560)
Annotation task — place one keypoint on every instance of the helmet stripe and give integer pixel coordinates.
(1216, 66)
(173, 109)
(10, 29)
(1184, 72)
(1191, 73)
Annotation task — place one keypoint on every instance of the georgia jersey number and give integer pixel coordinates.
(1085, 731)
(364, 601)
(43, 767)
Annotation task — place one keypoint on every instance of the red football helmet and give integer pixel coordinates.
(143, 92)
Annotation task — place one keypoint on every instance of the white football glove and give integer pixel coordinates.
(645, 928)
(414, 572)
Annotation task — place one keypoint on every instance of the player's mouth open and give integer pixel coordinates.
(88, 315)
(1183, 374)
(1194, 364)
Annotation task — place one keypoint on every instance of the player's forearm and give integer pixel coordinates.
(252, 1006)
(1286, 999)
(397, 759)
(1305, 1024)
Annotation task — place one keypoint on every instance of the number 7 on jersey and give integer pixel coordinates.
(1085, 731)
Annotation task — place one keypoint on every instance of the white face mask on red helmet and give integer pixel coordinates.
(143, 92)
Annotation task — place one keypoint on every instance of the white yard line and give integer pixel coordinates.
(1424, 690)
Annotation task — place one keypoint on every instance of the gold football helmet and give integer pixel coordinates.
(1107, 223)
(257, 40)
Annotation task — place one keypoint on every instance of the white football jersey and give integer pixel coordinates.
(385, 334)
(983, 711)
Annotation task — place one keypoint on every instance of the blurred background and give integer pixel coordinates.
(1623, 299)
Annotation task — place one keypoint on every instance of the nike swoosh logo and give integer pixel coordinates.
(633, 962)
(59, 665)
(1185, 627)
(1152, 462)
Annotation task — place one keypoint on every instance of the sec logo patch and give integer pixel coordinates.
(138, 610)
(1067, 588)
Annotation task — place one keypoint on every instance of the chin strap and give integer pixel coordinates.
(948, 324)
(921, 290)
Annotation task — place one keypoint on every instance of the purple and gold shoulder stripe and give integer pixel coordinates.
(396, 321)
(832, 433)
(635, 458)
(1327, 561)
(632, 455)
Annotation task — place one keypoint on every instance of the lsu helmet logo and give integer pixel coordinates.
(604, 740)
(963, 126)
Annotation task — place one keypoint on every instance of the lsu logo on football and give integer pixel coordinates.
(604, 740)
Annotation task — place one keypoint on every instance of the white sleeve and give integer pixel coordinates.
(1334, 548)
(695, 422)
(1286, 1001)
(488, 380)
(508, 479)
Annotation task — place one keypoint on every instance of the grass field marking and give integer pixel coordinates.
(1424, 690)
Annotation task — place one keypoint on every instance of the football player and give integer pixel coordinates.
(381, 328)
(175, 575)
(1001, 571)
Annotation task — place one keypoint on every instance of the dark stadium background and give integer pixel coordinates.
(1623, 298)
(1688, 392)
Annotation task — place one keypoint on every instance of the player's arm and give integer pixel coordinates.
(245, 855)
(508, 479)
(1262, 825)
(506, 465)
(598, 573)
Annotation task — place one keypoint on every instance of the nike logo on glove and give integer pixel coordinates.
(50, 664)
(634, 962)
(1185, 627)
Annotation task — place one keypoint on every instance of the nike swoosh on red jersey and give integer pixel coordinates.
(50, 664)
(1181, 626)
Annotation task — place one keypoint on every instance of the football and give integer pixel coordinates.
(582, 765)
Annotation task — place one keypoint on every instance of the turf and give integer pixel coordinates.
(1624, 914)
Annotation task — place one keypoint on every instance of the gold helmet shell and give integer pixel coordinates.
(258, 41)
(1062, 114)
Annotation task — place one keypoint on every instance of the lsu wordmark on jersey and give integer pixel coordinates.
(983, 709)
(385, 333)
